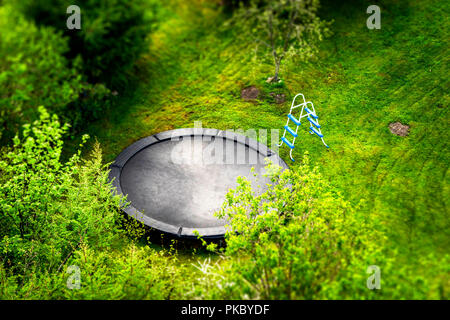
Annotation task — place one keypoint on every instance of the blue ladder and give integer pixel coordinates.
(312, 117)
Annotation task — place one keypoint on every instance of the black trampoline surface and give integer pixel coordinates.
(176, 180)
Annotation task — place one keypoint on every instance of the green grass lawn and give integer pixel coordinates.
(361, 81)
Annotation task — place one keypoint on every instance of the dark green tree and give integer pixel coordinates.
(112, 36)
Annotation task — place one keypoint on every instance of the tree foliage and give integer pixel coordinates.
(112, 36)
(286, 28)
(33, 70)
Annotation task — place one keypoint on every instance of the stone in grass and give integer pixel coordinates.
(250, 93)
(399, 129)
(271, 80)
(278, 97)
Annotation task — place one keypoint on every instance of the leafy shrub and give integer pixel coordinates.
(33, 70)
(299, 239)
(135, 272)
(112, 36)
(54, 214)
(48, 208)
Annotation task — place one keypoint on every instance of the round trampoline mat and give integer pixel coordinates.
(176, 180)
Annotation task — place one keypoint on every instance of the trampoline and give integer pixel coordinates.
(175, 180)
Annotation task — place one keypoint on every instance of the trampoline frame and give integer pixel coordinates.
(179, 231)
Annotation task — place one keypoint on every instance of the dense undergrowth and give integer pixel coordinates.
(393, 190)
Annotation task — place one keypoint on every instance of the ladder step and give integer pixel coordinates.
(313, 122)
(297, 122)
(288, 143)
(311, 113)
(316, 132)
(291, 131)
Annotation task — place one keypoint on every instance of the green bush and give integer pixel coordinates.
(33, 70)
(54, 214)
(299, 239)
(112, 36)
(134, 272)
(48, 208)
